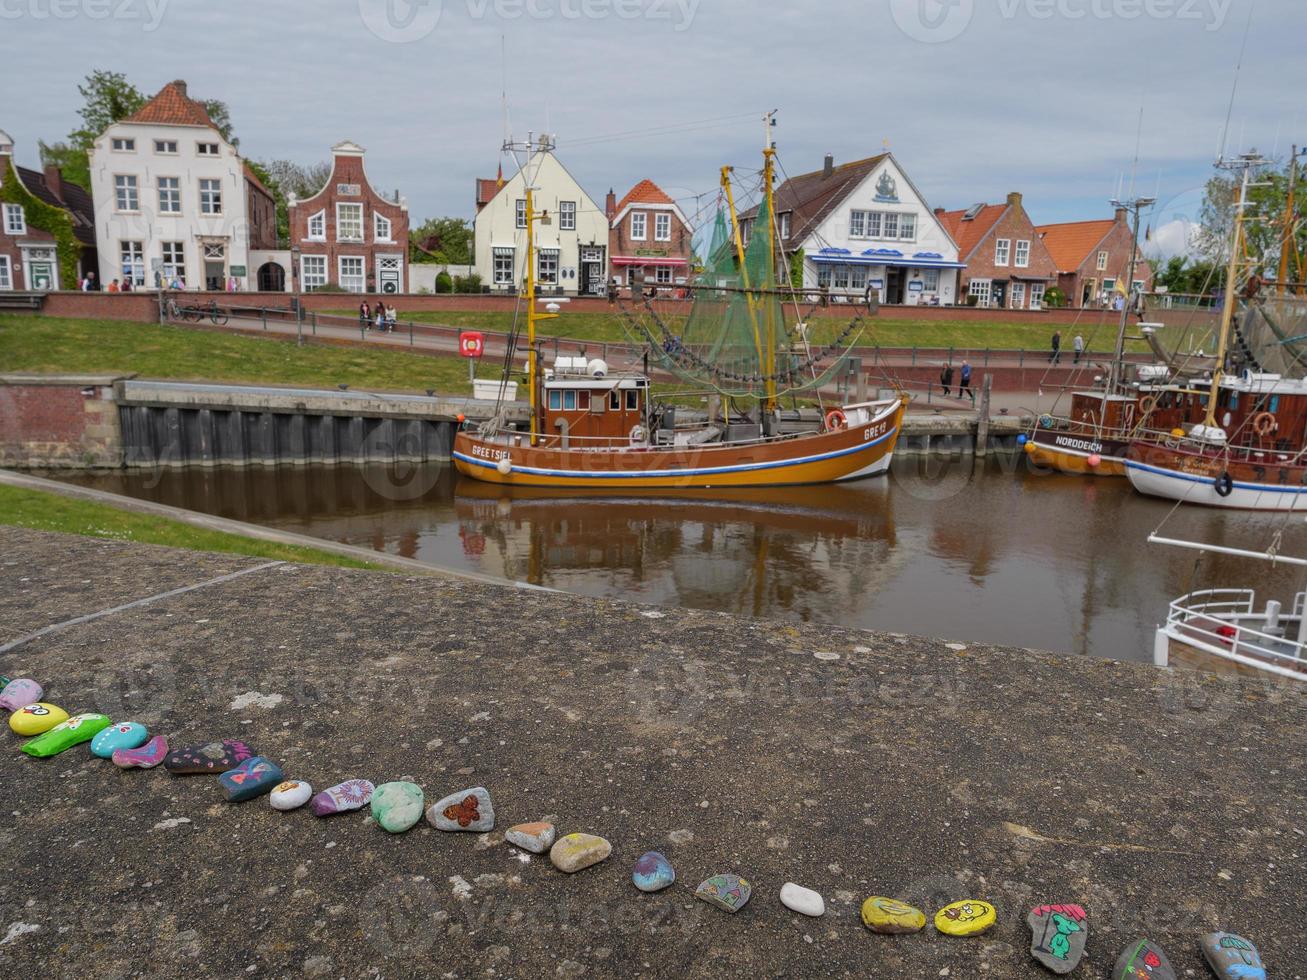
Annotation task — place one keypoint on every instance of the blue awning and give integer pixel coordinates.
(827, 258)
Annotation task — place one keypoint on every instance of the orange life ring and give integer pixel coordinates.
(836, 419)
(1265, 424)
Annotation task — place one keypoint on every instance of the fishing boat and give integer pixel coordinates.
(1249, 452)
(740, 347)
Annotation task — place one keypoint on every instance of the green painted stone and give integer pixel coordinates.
(397, 806)
(74, 731)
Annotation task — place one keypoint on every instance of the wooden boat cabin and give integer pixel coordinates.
(584, 407)
(1264, 412)
(1158, 407)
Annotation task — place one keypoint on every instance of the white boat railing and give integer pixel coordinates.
(1216, 619)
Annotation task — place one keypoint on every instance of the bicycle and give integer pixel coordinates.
(216, 315)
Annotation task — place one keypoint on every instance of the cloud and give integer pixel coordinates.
(1173, 238)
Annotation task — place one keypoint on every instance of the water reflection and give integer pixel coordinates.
(988, 552)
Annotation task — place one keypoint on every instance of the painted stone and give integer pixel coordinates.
(20, 693)
(470, 810)
(653, 872)
(74, 731)
(353, 794)
(969, 918)
(1232, 957)
(290, 795)
(252, 778)
(805, 901)
(123, 735)
(149, 755)
(210, 758)
(1143, 960)
(730, 893)
(397, 807)
(576, 852)
(534, 837)
(37, 719)
(890, 917)
(1058, 934)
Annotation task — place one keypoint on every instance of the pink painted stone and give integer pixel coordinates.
(20, 693)
(147, 756)
(353, 794)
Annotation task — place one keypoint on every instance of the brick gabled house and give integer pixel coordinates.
(1093, 257)
(649, 232)
(32, 258)
(349, 233)
(1008, 266)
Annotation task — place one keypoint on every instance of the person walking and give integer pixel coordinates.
(964, 387)
(1079, 345)
(946, 379)
(392, 317)
(365, 315)
(1056, 355)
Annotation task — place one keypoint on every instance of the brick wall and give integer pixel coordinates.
(59, 421)
(1118, 246)
(1015, 226)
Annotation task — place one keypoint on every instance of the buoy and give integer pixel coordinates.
(460, 418)
(1030, 448)
(1022, 439)
(1095, 461)
(1177, 433)
(505, 465)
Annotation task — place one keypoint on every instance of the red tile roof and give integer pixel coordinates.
(969, 234)
(172, 107)
(1071, 243)
(487, 188)
(645, 192)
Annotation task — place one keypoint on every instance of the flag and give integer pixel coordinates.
(499, 178)
(1148, 232)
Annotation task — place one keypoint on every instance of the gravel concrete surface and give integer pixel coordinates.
(855, 764)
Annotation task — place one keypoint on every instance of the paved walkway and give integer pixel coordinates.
(852, 763)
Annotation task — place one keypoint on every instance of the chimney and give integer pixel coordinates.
(180, 86)
(1014, 199)
(54, 180)
(940, 212)
(828, 168)
(610, 206)
(1121, 215)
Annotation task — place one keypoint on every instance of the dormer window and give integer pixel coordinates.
(785, 224)
(318, 226)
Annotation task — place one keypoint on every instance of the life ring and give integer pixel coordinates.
(1224, 485)
(1265, 424)
(1148, 406)
(638, 436)
(836, 419)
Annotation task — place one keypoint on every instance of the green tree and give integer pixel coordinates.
(107, 98)
(442, 240)
(1269, 202)
(286, 178)
(1187, 275)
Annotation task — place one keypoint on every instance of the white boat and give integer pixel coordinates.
(1228, 631)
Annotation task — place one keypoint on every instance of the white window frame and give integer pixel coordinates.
(122, 144)
(131, 261)
(174, 196)
(519, 212)
(785, 224)
(206, 149)
(1016, 296)
(890, 225)
(930, 280)
(663, 275)
(1022, 258)
(567, 216)
(1037, 291)
(1102, 261)
(857, 224)
(543, 276)
(13, 227)
(167, 148)
(380, 222)
(320, 233)
(640, 221)
(984, 289)
(361, 278)
(875, 223)
(126, 189)
(858, 278)
(311, 281)
(1002, 252)
(6, 274)
(174, 267)
(907, 227)
(341, 207)
(501, 275)
(210, 198)
(662, 226)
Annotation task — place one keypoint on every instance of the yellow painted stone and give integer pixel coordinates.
(37, 719)
(890, 917)
(969, 918)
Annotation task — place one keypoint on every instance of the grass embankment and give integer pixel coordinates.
(47, 345)
(21, 507)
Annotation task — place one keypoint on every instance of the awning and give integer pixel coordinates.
(912, 263)
(648, 260)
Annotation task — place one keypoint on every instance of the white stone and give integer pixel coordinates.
(290, 795)
(805, 901)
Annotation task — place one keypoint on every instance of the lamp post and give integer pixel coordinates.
(295, 286)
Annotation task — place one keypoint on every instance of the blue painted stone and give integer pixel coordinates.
(653, 872)
(123, 735)
(253, 777)
(1232, 957)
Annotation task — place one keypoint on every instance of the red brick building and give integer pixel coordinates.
(648, 231)
(348, 233)
(30, 257)
(1007, 265)
(1093, 259)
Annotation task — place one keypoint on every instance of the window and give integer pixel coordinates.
(1023, 255)
(381, 227)
(663, 274)
(503, 266)
(349, 223)
(858, 278)
(1037, 291)
(15, 220)
(785, 224)
(632, 400)
(547, 260)
(1002, 251)
(823, 276)
(841, 278)
(583, 401)
(521, 212)
(174, 261)
(931, 280)
(614, 400)
(907, 227)
(662, 227)
(639, 226)
(132, 255)
(1138, 285)
(6, 274)
(318, 226)
(1109, 285)
(567, 216)
(313, 271)
(569, 401)
(555, 400)
(891, 226)
(982, 289)
(211, 196)
(206, 149)
(125, 196)
(121, 145)
(873, 224)
(1102, 261)
(352, 277)
(1017, 300)
(857, 224)
(165, 146)
(170, 195)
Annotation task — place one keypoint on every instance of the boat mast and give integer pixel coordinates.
(768, 175)
(1288, 242)
(1116, 373)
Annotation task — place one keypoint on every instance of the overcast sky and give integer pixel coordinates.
(975, 97)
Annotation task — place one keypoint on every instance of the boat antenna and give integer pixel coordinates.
(1234, 88)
